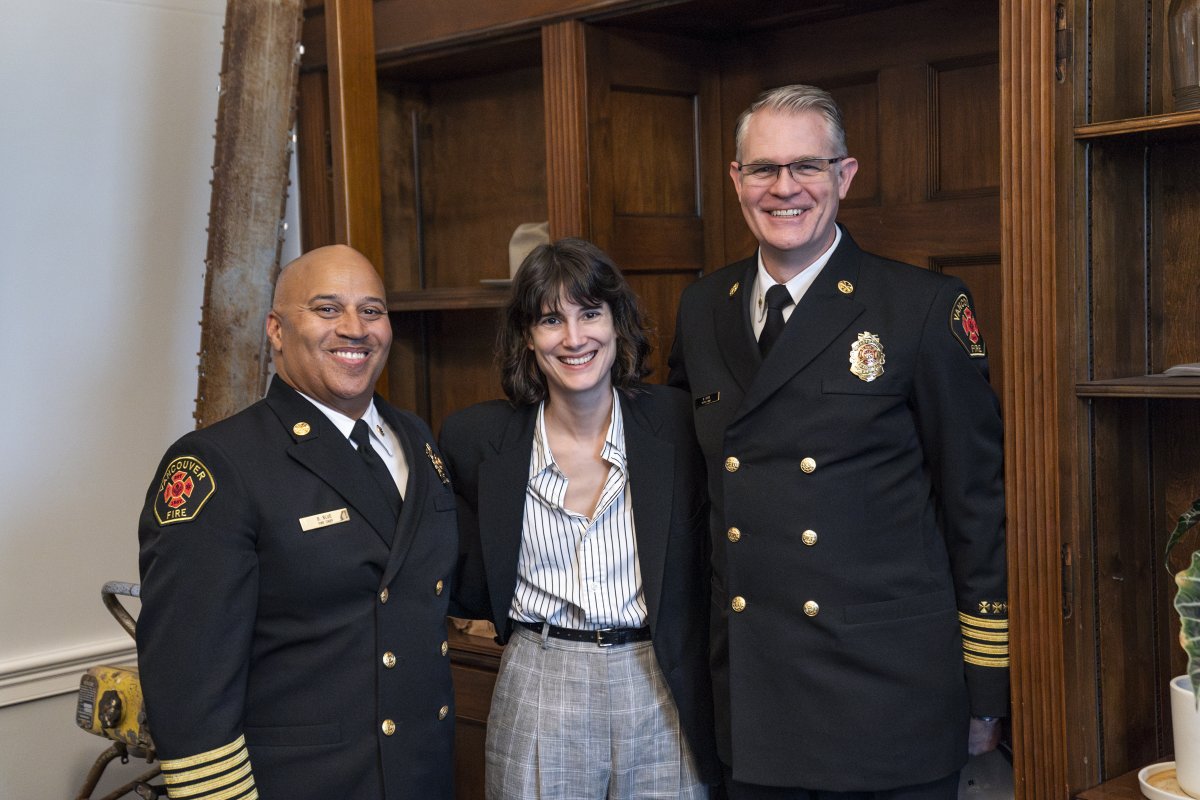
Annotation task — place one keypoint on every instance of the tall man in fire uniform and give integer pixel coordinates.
(295, 562)
(853, 444)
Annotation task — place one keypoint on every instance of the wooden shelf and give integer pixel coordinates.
(452, 299)
(1144, 387)
(1124, 787)
(1181, 125)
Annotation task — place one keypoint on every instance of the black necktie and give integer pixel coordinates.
(778, 298)
(361, 435)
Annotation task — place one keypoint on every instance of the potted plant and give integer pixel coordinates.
(1185, 689)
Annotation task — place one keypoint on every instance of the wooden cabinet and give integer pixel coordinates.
(1132, 434)
(1026, 147)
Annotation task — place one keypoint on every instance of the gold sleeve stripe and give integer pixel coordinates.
(984, 636)
(201, 758)
(216, 789)
(995, 650)
(208, 770)
(980, 622)
(243, 791)
(985, 662)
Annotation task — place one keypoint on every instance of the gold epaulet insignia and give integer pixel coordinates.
(185, 487)
(985, 640)
(438, 464)
(222, 773)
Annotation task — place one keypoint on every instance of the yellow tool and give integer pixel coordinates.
(110, 705)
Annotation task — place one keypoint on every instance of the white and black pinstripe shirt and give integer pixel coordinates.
(576, 572)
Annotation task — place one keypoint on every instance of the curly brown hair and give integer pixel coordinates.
(584, 274)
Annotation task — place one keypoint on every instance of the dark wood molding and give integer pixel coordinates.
(564, 70)
(353, 116)
(1030, 400)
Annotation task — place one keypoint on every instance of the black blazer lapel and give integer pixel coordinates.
(651, 473)
(417, 492)
(731, 321)
(503, 480)
(821, 316)
(324, 451)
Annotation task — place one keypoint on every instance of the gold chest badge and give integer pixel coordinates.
(866, 357)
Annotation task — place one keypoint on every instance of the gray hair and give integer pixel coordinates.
(795, 99)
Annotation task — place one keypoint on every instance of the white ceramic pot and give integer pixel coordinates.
(1185, 724)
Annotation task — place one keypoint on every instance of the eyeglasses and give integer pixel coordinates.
(805, 170)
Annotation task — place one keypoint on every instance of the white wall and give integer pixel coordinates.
(106, 145)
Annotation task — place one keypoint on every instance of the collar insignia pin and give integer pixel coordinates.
(438, 465)
(301, 428)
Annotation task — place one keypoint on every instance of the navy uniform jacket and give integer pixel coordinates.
(860, 611)
(488, 448)
(285, 613)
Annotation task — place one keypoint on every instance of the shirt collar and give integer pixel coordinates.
(799, 283)
(614, 441)
(345, 424)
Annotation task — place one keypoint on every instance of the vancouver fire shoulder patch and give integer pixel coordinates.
(965, 327)
(185, 487)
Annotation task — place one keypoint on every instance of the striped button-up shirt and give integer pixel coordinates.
(573, 571)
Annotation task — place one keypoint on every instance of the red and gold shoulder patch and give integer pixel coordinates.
(185, 487)
(965, 328)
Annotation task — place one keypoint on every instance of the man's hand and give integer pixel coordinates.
(983, 736)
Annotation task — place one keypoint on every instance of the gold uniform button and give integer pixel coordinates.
(443, 711)
(437, 588)
(732, 464)
(445, 648)
(738, 604)
(389, 659)
(809, 537)
(811, 608)
(734, 534)
(388, 727)
(808, 465)
(383, 596)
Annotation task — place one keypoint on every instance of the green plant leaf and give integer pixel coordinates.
(1187, 603)
(1186, 520)
(1187, 598)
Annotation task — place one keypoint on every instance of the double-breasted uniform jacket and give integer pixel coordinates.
(287, 614)
(488, 449)
(855, 477)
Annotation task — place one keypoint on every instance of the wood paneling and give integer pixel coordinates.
(1037, 386)
(967, 128)
(313, 161)
(353, 118)
(564, 54)
(477, 186)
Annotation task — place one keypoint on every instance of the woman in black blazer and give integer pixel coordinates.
(583, 522)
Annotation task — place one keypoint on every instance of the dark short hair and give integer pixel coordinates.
(584, 274)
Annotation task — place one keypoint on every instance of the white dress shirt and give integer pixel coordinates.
(796, 287)
(573, 571)
(383, 439)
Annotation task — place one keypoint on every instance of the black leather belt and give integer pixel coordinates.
(605, 637)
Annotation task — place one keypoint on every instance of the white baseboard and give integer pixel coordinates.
(58, 671)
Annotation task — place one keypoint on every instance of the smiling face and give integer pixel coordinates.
(792, 221)
(575, 347)
(329, 328)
